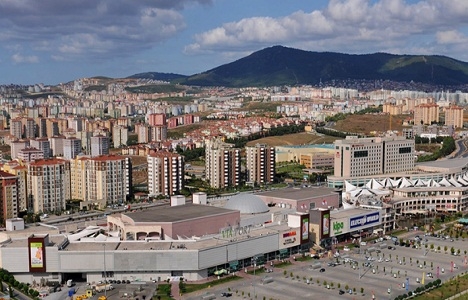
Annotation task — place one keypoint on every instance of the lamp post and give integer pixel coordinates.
(105, 272)
(254, 261)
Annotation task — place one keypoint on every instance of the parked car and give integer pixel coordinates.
(341, 292)
(322, 270)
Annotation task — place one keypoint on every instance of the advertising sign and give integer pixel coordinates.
(305, 229)
(37, 254)
(365, 220)
(325, 220)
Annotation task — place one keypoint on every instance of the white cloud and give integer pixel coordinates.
(18, 59)
(356, 26)
(451, 37)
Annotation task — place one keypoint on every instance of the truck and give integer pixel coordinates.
(69, 282)
(103, 287)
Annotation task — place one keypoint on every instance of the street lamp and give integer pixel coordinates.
(105, 272)
(254, 261)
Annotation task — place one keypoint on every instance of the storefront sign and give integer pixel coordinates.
(369, 219)
(338, 227)
(232, 232)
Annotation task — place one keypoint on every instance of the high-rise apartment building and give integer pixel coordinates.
(165, 173)
(71, 147)
(158, 133)
(9, 207)
(260, 164)
(356, 157)
(119, 136)
(99, 145)
(222, 164)
(18, 169)
(29, 126)
(454, 116)
(157, 119)
(16, 128)
(426, 113)
(101, 180)
(48, 184)
(41, 144)
(144, 132)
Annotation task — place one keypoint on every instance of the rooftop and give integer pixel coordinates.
(298, 194)
(178, 213)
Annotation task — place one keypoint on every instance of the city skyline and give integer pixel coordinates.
(54, 41)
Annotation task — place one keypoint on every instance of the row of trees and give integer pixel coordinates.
(420, 289)
(332, 132)
(9, 279)
(448, 146)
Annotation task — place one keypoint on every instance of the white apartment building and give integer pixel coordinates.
(71, 147)
(260, 164)
(165, 173)
(222, 164)
(356, 157)
(119, 136)
(48, 185)
(41, 144)
(99, 145)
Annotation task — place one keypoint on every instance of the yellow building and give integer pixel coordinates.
(426, 114)
(454, 116)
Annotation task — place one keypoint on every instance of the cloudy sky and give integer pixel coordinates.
(53, 41)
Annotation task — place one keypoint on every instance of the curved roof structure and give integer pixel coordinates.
(247, 204)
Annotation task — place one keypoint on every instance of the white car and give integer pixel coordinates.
(363, 243)
(346, 248)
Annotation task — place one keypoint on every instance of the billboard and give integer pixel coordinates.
(37, 254)
(325, 224)
(364, 221)
(304, 229)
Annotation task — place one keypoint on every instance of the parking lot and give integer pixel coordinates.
(381, 272)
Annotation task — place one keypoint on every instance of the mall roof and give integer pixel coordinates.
(344, 213)
(298, 194)
(177, 213)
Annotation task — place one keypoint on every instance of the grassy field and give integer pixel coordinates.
(294, 139)
(178, 132)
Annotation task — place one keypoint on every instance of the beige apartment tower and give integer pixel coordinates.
(425, 114)
(355, 157)
(222, 164)
(260, 164)
(454, 116)
(165, 173)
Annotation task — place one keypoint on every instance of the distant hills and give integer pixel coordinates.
(280, 65)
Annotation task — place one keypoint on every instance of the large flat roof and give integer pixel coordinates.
(177, 213)
(298, 194)
(345, 213)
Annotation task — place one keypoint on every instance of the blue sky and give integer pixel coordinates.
(53, 41)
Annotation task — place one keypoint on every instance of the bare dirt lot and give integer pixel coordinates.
(366, 124)
(294, 139)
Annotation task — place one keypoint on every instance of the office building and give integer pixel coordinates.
(356, 157)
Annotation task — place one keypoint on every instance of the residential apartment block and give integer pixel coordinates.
(165, 173)
(260, 164)
(48, 184)
(222, 164)
(426, 113)
(101, 180)
(356, 157)
(454, 116)
(9, 207)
